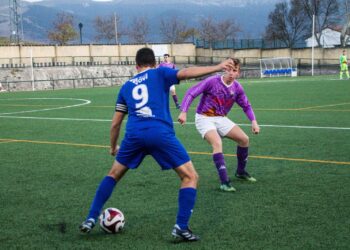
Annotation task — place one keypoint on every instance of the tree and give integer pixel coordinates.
(105, 28)
(326, 14)
(211, 30)
(139, 30)
(63, 29)
(226, 29)
(345, 13)
(207, 29)
(287, 23)
(175, 30)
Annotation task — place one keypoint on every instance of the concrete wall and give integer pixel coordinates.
(186, 50)
(181, 52)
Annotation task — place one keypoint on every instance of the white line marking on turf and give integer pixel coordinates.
(176, 123)
(85, 102)
(280, 80)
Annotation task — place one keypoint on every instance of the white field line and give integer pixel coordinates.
(176, 123)
(279, 80)
(85, 102)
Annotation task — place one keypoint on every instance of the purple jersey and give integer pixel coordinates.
(217, 98)
(167, 65)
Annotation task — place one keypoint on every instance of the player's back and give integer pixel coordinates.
(146, 96)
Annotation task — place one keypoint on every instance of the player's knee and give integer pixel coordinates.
(193, 178)
(217, 146)
(244, 141)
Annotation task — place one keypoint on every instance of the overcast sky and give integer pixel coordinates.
(202, 1)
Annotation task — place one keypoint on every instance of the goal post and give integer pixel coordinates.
(278, 66)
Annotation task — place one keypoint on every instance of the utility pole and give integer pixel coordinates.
(14, 21)
(115, 28)
(80, 32)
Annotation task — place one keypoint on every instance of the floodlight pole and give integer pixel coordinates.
(80, 32)
(115, 28)
(32, 70)
(313, 45)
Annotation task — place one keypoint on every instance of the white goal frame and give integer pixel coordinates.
(278, 66)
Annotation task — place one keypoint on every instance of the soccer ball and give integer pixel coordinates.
(112, 220)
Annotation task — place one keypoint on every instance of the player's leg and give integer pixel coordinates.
(174, 96)
(186, 201)
(207, 128)
(346, 71)
(167, 150)
(214, 139)
(103, 193)
(130, 155)
(341, 72)
(238, 135)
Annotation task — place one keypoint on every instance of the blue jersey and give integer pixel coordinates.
(145, 98)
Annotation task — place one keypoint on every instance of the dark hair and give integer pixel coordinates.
(235, 61)
(145, 57)
(166, 55)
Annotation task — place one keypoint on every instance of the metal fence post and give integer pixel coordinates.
(8, 84)
(52, 83)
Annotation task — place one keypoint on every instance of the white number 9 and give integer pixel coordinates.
(140, 93)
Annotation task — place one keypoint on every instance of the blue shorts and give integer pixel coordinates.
(162, 145)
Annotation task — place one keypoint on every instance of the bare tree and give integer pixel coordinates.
(105, 28)
(63, 29)
(326, 14)
(226, 29)
(345, 13)
(287, 23)
(217, 31)
(207, 29)
(175, 30)
(139, 30)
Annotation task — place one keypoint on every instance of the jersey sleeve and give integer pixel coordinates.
(243, 102)
(170, 76)
(192, 93)
(120, 105)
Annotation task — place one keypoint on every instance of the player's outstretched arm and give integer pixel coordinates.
(193, 72)
(115, 130)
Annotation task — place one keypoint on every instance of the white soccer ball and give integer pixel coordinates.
(112, 220)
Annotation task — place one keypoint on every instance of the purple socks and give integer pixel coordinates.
(242, 158)
(220, 164)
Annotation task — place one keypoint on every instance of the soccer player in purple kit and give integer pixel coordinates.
(168, 64)
(150, 131)
(219, 93)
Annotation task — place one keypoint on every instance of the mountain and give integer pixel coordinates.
(38, 16)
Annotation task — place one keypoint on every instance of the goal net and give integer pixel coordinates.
(277, 66)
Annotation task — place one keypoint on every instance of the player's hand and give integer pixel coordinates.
(227, 64)
(182, 118)
(114, 151)
(255, 127)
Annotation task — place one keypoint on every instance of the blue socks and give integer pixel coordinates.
(186, 200)
(103, 192)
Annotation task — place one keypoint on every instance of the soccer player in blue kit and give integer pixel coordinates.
(149, 131)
